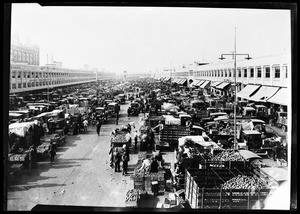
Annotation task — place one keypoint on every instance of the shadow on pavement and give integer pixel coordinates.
(27, 187)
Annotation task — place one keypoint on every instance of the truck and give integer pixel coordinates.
(282, 120)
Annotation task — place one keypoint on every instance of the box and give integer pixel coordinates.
(172, 198)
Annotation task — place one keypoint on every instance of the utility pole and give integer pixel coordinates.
(234, 54)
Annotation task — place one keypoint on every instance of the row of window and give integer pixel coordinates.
(18, 74)
(44, 83)
(245, 72)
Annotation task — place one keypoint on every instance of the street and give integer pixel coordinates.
(80, 175)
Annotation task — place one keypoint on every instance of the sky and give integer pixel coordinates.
(148, 39)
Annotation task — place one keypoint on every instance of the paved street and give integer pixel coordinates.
(81, 174)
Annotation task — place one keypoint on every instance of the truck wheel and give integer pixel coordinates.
(283, 128)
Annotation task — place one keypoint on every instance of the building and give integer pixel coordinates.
(28, 54)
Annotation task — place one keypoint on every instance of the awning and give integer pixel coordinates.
(214, 84)
(174, 80)
(247, 91)
(281, 97)
(223, 85)
(206, 84)
(263, 93)
(182, 81)
(200, 82)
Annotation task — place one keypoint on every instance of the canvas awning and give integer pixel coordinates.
(223, 85)
(205, 84)
(247, 91)
(200, 82)
(182, 81)
(281, 97)
(263, 93)
(214, 84)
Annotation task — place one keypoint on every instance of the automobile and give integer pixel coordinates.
(113, 109)
(122, 98)
(101, 113)
(134, 108)
(248, 112)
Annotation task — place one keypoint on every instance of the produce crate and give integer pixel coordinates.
(202, 190)
(132, 197)
(17, 157)
(171, 133)
(139, 187)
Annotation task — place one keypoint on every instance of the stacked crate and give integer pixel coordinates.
(161, 181)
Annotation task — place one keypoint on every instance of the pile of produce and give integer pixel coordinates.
(138, 172)
(131, 195)
(228, 155)
(118, 139)
(243, 182)
(142, 155)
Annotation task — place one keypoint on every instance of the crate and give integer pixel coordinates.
(202, 191)
(139, 187)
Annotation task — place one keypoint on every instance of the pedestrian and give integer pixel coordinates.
(52, 152)
(117, 160)
(117, 119)
(154, 165)
(85, 125)
(135, 136)
(124, 164)
(32, 156)
(98, 126)
(111, 153)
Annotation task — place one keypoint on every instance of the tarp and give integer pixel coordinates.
(205, 84)
(281, 97)
(198, 140)
(248, 154)
(264, 93)
(278, 173)
(247, 91)
(20, 129)
(170, 120)
(223, 85)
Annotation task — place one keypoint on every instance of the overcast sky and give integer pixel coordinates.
(140, 39)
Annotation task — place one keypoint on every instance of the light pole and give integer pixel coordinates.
(234, 54)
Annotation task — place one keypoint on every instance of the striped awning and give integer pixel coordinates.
(264, 93)
(223, 85)
(247, 91)
(216, 83)
(206, 84)
(200, 82)
(281, 97)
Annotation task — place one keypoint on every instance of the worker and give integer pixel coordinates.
(154, 165)
(98, 126)
(159, 159)
(117, 160)
(124, 164)
(146, 163)
(135, 137)
(52, 152)
(85, 125)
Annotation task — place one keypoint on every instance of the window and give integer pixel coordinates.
(13, 74)
(239, 72)
(19, 85)
(286, 70)
(24, 85)
(277, 71)
(28, 84)
(229, 72)
(13, 86)
(19, 74)
(225, 72)
(251, 72)
(24, 74)
(245, 72)
(258, 72)
(267, 72)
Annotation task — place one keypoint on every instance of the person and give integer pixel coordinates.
(117, 118)
(32, 156)
(154, 165)
(135, 136)
(117, 160)
(111, 153)
(85, 125)
(159, 159)
(146, 163)
(124, 164)
(52, 152)
(126, 151)
(98, 126)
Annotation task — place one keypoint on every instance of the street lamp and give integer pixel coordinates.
(234, 54)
